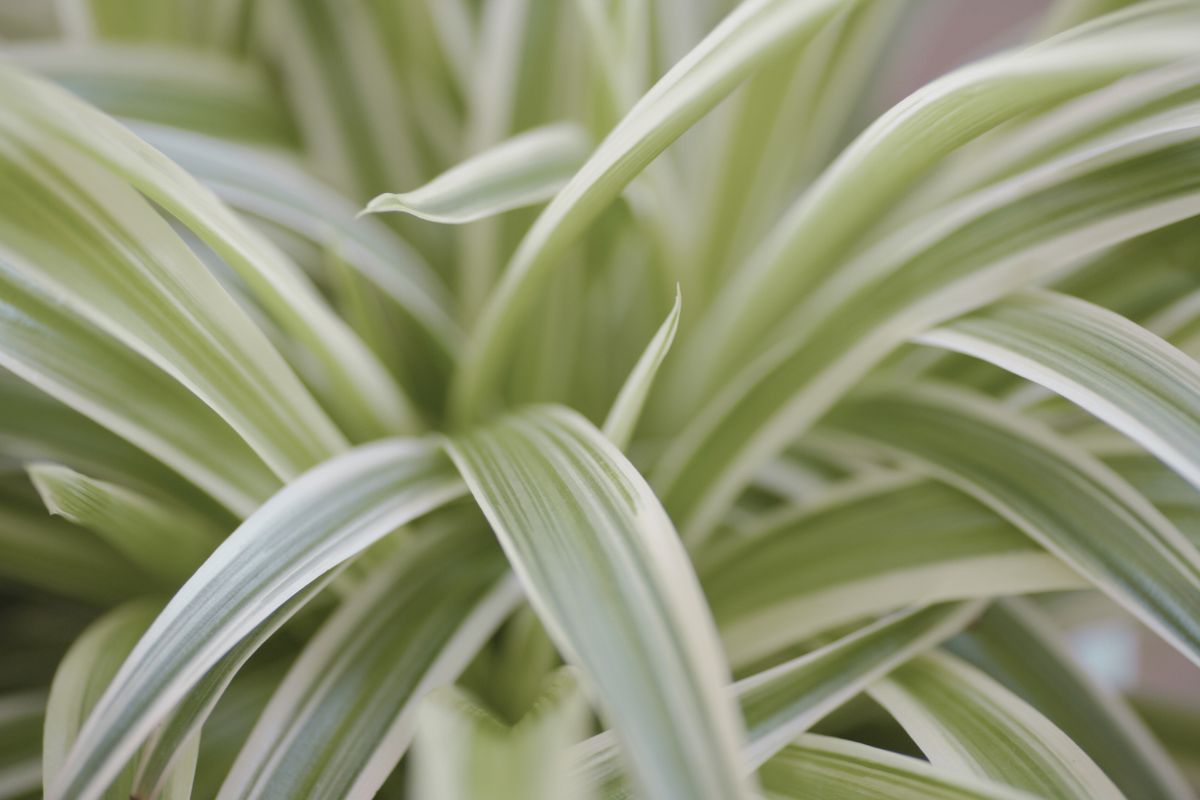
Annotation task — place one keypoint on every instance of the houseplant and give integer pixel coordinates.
(747, 391)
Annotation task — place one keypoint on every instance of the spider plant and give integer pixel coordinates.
(515, 399)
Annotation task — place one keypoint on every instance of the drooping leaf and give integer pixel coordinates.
(166, 541)
(316, 523)
(346, 711)
(965, 722)
(606, 573)
(1054, 491)
(866, 548)
(1115, 369)
(836, 769)
(1017, 645)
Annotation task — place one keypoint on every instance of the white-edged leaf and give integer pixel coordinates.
(463, 752)
(605, 571)
(1017, 645)
(82, 676)
(836, 769)
(626, 409)
(966, 722)
(313, 525)
(274, 187)
(860, 549)
(527, 169)
(165, 540)
(198, 90)
(41, 118)
(1114, 368)
(952, 261)
(838, 211)
(78, 364)
(1054, 491)
(751, 35)
(346, 711)
(786, 700)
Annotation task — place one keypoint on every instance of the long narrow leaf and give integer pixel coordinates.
(605, 571)
(312, 526)
(962, 720)
(1055, 492)
(343, 716)
(1120, 372)
(527, 169)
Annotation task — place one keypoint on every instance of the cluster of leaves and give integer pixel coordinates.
(429, 501)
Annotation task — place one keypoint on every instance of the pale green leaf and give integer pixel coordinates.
(623, 417)
(345, 713)
(952, 261)
(865, 548)
(605, 571)
(898, 149)
(41, 118)
(1054, 491)
(316, 523)
(1018, 646)
(463, 752)
(752, 34)
(56, 556)
(82, 676)
(786, 700)
(272, 187)
(79, 364)
(165, 540)
(835, 769)
(192, 89)
(966, 722)
(1117, 370)
(525, 170)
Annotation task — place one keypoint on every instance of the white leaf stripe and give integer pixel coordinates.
(742, 42)
(343, 716)
(273, 187)
(80, 365)
(51, 118)
(1017, 645)
(1115, 369)
(316, 523)
(107, 253)
(786, 700)
(836, 769)
(1057, 493)
(963, 720)
(607, 574)
(527, 169)
(81, 677)
(958, 259)
(860, 549)
(834, 215)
